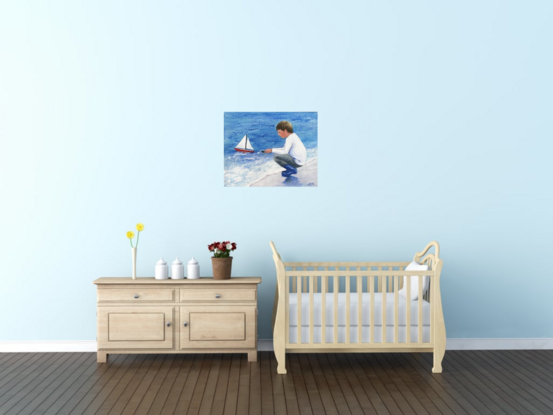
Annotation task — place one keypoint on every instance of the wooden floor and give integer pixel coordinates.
(473, 382)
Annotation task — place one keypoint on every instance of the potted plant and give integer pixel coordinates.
(221, 260)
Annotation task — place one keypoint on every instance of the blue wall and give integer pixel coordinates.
(434, 123)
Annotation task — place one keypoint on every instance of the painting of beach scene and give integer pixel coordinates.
(270, 149)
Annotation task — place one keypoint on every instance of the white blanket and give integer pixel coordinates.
(365, 311)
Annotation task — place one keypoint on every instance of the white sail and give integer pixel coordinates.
(244, 144)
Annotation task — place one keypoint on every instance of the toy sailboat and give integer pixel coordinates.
(244, 145)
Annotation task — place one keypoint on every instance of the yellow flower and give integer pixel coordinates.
(130, 234)
(139, 227)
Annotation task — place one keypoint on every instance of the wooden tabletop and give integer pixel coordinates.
(152, 280)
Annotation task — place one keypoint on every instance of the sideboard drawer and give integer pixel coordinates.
(218, 294)
(136, 295)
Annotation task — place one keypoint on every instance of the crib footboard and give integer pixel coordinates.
(358, 307)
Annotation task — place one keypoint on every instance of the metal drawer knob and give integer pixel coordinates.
(136, 296)
(168, 324)
(185, 324)
(217, 295)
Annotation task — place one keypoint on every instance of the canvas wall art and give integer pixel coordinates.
(270, 149)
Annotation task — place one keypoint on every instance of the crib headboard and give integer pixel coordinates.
(276, 255)
(430, 259)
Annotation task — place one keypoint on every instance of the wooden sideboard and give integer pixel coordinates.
(146, 315)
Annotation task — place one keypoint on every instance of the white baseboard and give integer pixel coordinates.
(48, 346)
(499, 344)
(267, 345)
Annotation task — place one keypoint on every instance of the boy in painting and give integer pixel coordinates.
(293, 155)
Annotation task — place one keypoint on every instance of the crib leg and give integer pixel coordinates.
(438, 357)
(439, 349)
(281, 368)
(280, 354)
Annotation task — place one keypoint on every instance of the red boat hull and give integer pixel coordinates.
(243, 151)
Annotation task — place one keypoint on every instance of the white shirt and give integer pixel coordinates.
(295, 148)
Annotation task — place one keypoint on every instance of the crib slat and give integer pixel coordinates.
(294, 284)
(287, 311)
(432, 311)
(420, 308)
(335, 321)
(325, 280)
(408, 298)
(298, 301)
(379, 281)
(384, 320)
(359, 309)
(371, 290)
(324, 287)
(315, 284)
(311, 307)
(396, 309)
(429, 291)
(348, 308)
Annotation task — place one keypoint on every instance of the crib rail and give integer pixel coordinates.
(353, 283)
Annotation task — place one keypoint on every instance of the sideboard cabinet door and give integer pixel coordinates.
(213, 327)
(135, 327)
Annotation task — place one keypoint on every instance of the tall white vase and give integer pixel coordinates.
(133, 263)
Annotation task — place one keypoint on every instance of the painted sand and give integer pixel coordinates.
(306, 176)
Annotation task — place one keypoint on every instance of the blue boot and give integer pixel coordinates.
(289, 171)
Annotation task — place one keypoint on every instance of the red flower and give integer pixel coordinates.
(233, 246)
(221, 247)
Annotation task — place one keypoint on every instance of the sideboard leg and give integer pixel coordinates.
(102, 357)
(252, 356)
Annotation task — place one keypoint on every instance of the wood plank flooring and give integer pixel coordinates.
(473, 382)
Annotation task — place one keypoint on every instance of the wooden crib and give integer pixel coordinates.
(304, 316)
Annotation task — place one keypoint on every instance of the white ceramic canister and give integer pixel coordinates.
(162, 272)
(177, 270)
(193, 269)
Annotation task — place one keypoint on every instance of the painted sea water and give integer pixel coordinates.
(259, 169)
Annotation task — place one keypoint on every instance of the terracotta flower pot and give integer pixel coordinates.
(221, 268)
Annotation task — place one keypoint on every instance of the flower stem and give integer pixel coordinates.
(130, 240)
(137, 237)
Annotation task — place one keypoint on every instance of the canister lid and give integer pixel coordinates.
(192, 262)
(177, 261)
(161, 262)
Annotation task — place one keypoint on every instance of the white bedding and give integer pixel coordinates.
(365, 334)
(366, 306)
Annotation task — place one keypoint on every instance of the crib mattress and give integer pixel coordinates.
(365, 334)
(365, 309)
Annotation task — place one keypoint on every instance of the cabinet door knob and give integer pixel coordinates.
(136, 296)
(168, 324)
(185, 324)
(217, 295)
